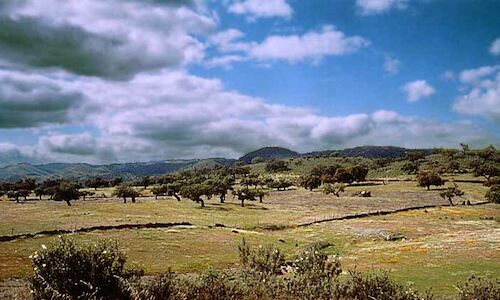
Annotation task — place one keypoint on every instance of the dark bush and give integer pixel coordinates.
(479, 289)
(67, 270)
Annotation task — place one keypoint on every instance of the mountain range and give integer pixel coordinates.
(138, 169)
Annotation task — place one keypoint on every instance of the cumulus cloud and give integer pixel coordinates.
(312, 45)
(495, 47)
(113, 39)
(374, 7)
(482, 93)
(472, 76)
(33, 100)
(391, 66)
(261, 8)
(173, 114)
(417, 90)
(12, 154)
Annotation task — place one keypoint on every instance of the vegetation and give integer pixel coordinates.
(451, 193)
(493, 195)
(335, 189)
(66, 191)
(429, 178)
(126, 191)
(67, 269)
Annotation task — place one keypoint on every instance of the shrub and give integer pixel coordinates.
(373, 286)
(493, 195)
(265, 261)
(335, 189)
(479, 289)
(275, 165)
(67, 270)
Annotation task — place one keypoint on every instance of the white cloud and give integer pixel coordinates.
(312, 45)
(448, 75)
(482, 93)
(472, 76)
(261, 8)
(225, 61)
(373, 7)
(172, 114)
(495, 47)
(115, 39)
(417, 90)
(391, 66)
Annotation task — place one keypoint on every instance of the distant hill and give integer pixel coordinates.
(83, 171)
(370, 152)
(132, 170)
(268, 153)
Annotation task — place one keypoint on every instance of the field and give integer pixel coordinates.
(432, 248)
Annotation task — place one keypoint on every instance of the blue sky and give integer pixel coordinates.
(111, 81)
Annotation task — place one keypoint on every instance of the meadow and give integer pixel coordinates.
(432, 248)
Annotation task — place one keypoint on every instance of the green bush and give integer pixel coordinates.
(68, 270)
(479, 289)
(493, 195)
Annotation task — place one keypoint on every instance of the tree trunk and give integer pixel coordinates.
(17, 199)
(260, 198)
(177, 197)
(156, 197)
(201, 202)
(68, 202)
(222, 198)
(124, 199)
(133, 199)
(451, 202)
(242, 203)
(428, 187)
(40, 197)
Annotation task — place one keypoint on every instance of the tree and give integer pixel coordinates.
(145, 181)
(96, 183)
(173, 189)
(358, 173)
(116, 181)
(281, 184)
(260, 194)
(66, 191)
(344, 176)
(251, 180)
(410, 167)
(275, 165)
(415, 156)
(245, 194)
(159, 190)
(310, 182)
(126, 191)
(335, 189)
(486, 170)
(493, 195)
(428, 178)
(450, 193)
(194, 192)
(220, 186)
(453, 166)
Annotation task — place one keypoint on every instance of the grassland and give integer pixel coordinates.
(436, 247)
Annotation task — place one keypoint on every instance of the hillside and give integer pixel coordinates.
(82, 171)
(369, 152)
(268, 153)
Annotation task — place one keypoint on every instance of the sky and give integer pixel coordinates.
(106, 81)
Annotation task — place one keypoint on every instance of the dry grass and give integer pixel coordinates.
(442, 246)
